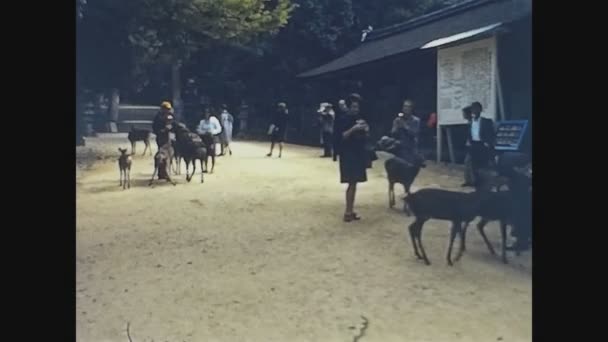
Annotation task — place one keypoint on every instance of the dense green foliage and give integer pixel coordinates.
(237, 50)
(118, 41)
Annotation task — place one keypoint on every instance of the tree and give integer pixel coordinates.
(120, 40)
(318, 31)
(171, 31)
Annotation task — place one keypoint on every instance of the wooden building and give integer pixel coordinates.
(477, 50)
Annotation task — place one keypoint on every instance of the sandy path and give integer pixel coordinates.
(259, 253)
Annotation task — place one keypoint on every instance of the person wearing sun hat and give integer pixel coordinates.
(161, 126)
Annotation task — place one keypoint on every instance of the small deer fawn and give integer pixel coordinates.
(124, 164)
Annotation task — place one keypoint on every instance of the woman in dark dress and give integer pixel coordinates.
(354, 159)
(279, 128)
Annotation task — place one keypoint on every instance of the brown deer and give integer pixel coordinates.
(124, 165)
(162, 163)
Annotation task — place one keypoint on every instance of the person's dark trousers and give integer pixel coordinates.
(480, 157)
(469, 174)
(327, 144)
(335, 150)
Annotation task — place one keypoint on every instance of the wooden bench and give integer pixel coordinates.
(125, 125)
(138, 116)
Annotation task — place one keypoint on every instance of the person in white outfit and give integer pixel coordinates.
(209, 125)
(209, 129)
(227, 121)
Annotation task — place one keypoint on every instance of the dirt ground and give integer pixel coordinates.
(259, 252)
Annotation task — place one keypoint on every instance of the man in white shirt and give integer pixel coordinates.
(480, 139)
(209, 124)
(209, 129)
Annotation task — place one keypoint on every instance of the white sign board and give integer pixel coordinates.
(466, 73)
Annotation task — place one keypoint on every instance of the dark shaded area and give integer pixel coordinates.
(259, 73)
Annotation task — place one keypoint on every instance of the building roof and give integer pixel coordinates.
(414, 34)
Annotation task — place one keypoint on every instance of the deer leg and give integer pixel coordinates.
(193, 170)
(426, 259)
(480, 227)
(463, 235)
(120, 184)
(412, 228)
(153, 175)
(187, 169)
(406, 209)
(456, 229)
(146, 145)
(503, 235)
(128, 172)
(391, 194)
(168, 172)
(202, 174)
(418, 235)
(212, 162)
(463, 246)
(133, 147)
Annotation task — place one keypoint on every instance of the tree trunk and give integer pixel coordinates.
(114, 105)
(176, 86)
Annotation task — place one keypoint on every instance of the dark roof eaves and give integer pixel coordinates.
(426, 19)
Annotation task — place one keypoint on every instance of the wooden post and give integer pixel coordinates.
(501, 102)
(450, 146)
(439, 140)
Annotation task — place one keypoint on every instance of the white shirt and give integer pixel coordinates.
(209, 126)
(475, 129)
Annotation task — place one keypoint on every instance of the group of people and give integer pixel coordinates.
(345, 136)
(345, 132)
(220, 130)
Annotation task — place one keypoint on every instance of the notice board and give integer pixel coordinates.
(466, 73)
(510, 134)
